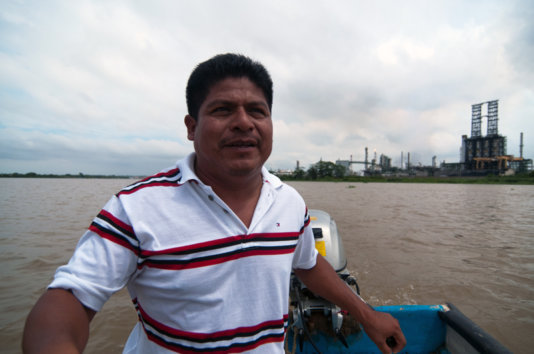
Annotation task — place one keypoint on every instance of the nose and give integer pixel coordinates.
(242, 120)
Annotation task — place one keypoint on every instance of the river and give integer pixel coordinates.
(471, 245)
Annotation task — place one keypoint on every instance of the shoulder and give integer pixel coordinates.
(284, 192)
(168, 177)
(173, 176)
(274, 180)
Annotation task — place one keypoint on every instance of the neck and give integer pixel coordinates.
(241, 193)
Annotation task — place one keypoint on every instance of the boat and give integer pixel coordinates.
(318, 326)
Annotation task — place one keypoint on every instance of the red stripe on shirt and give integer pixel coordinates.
(225, 335)
(219, 243)
(117, 222)
(113, 238)
(216, 260)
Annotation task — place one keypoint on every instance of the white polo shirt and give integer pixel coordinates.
(200, 280)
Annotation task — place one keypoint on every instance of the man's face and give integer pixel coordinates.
(233, 132)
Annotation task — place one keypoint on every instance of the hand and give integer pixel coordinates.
(383, 329)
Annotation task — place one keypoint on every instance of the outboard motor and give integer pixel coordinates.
(314, 321)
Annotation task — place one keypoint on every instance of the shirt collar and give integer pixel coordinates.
(270, 178)
(187, 168)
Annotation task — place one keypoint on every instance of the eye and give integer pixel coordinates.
(220, 110)
(259, 112)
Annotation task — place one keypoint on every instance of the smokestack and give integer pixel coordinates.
(366, 158)
(408, 163)
(521, 145)
(402, 160)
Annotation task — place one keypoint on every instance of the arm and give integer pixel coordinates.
(58, 323)
(323, 281)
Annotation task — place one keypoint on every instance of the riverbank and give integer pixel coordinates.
(524, 179)
(49, 175)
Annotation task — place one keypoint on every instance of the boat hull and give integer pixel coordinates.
(428, 329)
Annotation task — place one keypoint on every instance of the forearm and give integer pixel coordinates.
(58, 323)
(323, 281)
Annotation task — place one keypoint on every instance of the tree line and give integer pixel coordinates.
(319, 170)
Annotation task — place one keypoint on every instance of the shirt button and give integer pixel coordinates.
(210, 197)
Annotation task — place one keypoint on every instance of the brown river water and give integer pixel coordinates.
(471, 245)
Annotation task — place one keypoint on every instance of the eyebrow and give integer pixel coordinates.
(232, 103)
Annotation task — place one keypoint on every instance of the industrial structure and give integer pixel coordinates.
(479, 154)
(372, 167)
(484, 152)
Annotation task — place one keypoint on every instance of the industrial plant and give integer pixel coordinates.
(480, 155)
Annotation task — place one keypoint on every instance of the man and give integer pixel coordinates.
(207, 247)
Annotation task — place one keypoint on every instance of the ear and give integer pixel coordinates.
(191, 124)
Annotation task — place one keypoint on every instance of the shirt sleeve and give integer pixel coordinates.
(104, 259)
(305, 253)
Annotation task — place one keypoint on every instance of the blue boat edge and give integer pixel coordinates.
(460, 325)
(439, 329)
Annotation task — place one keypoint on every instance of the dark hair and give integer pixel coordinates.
(220, 67)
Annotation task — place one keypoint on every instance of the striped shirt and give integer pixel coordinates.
(200, 280)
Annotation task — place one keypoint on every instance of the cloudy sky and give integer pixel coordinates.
(98, 86)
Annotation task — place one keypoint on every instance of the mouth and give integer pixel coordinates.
(240, 143)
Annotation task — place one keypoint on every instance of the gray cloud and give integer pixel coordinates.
(99, 86)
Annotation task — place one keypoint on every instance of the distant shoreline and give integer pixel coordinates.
(523, 179)
(50, 175)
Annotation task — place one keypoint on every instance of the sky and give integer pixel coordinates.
(98, 87)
